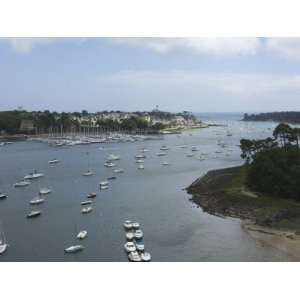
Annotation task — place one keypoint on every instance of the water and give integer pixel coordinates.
(174, 228)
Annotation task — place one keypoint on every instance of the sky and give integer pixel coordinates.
(194, 74)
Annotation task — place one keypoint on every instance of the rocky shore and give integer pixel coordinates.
(273, 221)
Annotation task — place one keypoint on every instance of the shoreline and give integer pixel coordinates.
(286, 241)
(269, 221)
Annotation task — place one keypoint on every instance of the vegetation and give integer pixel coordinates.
(273, 164)
(292, 117)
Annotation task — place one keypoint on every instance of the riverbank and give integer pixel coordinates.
(269, 220)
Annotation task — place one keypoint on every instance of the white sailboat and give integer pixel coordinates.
(22, 183)
(88, 172)
(33, 175)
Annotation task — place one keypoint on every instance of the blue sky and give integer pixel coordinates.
(197, 74)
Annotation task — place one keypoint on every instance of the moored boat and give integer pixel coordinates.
(74, 249)
(82, 234)
(37, 200)
(22, 183)
(134, 256)
(91, 195)
(2, 196)
(129, 246)
(86, 202)
(138, 234)
(127, 224)
(34, 214)
(53, 161)
(146, 256)
(87, 210)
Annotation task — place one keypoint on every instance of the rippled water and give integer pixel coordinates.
(174, 229)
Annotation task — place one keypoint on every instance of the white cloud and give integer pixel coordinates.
(204, 91)
(25, 45)
(211, 46)
(287, 47)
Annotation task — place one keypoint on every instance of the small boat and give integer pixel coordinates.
(141, 167)
(161, 154)
(88, 173)
(164, 148)
(103, 183)
(91, 195)
(139, 161)
(145, 150)
(44, 191)
(138, 234)
(22, 183)
(129, 235)
(127, 224)
(82, 235)
(33, 175)
(135, 225)
(140, 247)
(111, 178)
(140, 156)
(109, 164)
(190, 155)
(34, 213)
(2, 196)
(129, 246)
(194, 148)
(37, 200)
(113, 157)
(86, 202)
(103, 187)
(134, 256)
(119, 171)
(87, 210)
(165, 163)
(3, 244)
(183, 146)
(74, 249)
(53, 161)
(146, 256)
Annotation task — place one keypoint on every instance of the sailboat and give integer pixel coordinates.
(88, 172)
(3, 244)
(45, 191)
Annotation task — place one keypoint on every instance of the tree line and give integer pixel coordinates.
(273, 164)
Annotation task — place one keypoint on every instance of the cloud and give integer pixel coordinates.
(210, 46)
(26, 45)
(204, 91)
(287, 47)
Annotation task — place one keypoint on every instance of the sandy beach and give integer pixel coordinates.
(283, 240)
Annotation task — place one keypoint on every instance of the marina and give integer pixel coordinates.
(173, 228)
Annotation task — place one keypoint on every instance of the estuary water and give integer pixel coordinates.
(174, 228)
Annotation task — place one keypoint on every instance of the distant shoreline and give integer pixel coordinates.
(268, 220)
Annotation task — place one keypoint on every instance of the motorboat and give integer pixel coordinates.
(111, 178)
(91, 195)
(161, 154)
(183, 146)
(139, 161)
(103, 183)
(141, 167)
(146, 256)
(127, 224)
(53, 161)
(103, 187)
(135, 225)
(87, 210)
(34, 214)
(129, 235)
(138, 234)
(129, 246)
(165, 163)
(3, 244)
(82, 234)
(74, 249)
(44, 191)
(86, 202)
(134, 256)
(88, 173)
(190, 155)
(2, 196)
(194, 148)
(145, 150)
(33, 175)
(164, 148)
(37, 200)
(140, 247)
(109, 164)
(119, 171)
(22, 183)
(113, 157)
(140, 156)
